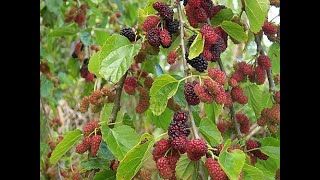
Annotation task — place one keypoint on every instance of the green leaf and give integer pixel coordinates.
(127, 120)
(163, 120)
(105, 175)
(108, 47)
(104, 152)
(210, 132)
(234, 30)
(185, 167)
(224, 14)
(70, 138)
(196, 47)
(271, 147)
(257, 99)
(268, 167)
(101, 36)
(54, 5)
(231, 163)
(95, 163)
(85, 37)
(213, 110)
(256, 11)
(274, 55)
(252, 173)
(105, 113)
(179, 97)
(94, 64)
(117, 62)
(163, 88)
(121, 139)
(135, 158)
(63, 31)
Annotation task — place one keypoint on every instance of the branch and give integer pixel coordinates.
(260, 50)
(116, 106)
(185, 67)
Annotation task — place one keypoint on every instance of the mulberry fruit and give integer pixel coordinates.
(238, 76)
(172, 56)
(128, 33)
(222, 126)
(180, 116)
(165, 38)
(150, 22)
(95, 144)
(148, 82)
(199, 63)
(130, 85)
(232, 82)
(209, 34)
(164, 10)
(218, 48)
(160, 148)
(264, 62)
(191, 97)
(260, 75)
(228, 101)
(194, 3)
(90, 127)
(269, 28)
(173, 26)
(203, 94)
(173, 105)
(238, 95)
(262, 121)
(217, 75)
(153, 36)
(196, 148)
(191, 39)
(164, 168)
(214, 170)
(178, 129)
(76, 176)
(179, 144)
(245, 68)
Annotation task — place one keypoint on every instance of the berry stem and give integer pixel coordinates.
(116, 106)
(257, 39)
(185, 67)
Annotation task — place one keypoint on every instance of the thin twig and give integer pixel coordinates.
(116, 106)
(186, 68)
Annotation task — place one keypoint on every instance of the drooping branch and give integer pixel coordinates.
(185, 67)
(260, 50)
(116, 106)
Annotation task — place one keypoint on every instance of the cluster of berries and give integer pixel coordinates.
(216, 42)
(159, 28)
(166, 152)
(272, 31)
(97, 99)
(78, 15)
(55, 123)
(45, 69)
(92, 139)
(131, 85)
(211, 90)
(198, 11)
(270, 117)
(252, 144)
